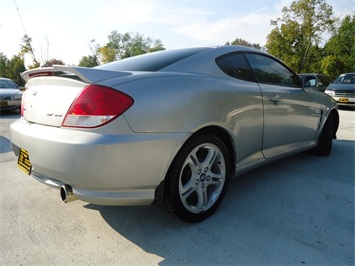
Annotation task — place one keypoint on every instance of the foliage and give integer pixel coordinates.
(26, 48)
(91, 60)
(243, 42)
(52, 62)
(107, 54)
(301, 28)
(12, 69)
(4, 66)
(88, 61)
(122, 46)
(340, 50)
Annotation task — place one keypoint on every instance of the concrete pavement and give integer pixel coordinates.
(296, 211)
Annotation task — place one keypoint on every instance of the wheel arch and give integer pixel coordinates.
(217, 131)
(225, 137)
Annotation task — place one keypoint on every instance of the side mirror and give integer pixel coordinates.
(309, 81)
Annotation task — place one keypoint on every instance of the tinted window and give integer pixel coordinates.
(236, 66)
(152, 61)
(268, 70)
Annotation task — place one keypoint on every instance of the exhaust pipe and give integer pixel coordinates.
(66, 193)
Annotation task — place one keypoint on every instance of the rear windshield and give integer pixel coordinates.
(152, 61)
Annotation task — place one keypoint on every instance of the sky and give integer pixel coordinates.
(63, 29)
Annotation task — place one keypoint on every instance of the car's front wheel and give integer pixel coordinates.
(198, 178)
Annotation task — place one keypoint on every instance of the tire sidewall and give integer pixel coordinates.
(174, 176)
(325, 140)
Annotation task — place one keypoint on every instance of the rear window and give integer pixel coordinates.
(152, 61)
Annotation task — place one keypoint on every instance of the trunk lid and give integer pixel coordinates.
(47, 99)
(51, 91)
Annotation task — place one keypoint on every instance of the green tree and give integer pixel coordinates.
(91, 60)
(88, 61)
(12, 68)
(340, 49)
(17, 66)
(301, 27)
(243, 42)
(4, 66)
(122, 46)
(26, 48)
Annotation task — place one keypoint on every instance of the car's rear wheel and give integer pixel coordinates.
(325, 140)
(198, 178)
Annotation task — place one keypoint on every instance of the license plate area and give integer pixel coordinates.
(24, 162)
(343, 100)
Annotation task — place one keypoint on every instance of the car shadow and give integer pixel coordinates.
(293, 211)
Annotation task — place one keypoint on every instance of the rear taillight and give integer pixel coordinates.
(23, 102)
(95, 106)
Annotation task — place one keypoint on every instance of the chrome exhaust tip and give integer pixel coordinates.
(66, 193)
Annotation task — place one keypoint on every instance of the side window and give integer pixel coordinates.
(268, 70)
(236, 66)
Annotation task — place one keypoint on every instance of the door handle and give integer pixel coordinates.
(274, 99)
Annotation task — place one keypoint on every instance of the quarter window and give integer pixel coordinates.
(236, 66)
(269, 71)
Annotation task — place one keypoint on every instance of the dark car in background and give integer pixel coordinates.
(342, 89)
(317, 81)
(10, 95)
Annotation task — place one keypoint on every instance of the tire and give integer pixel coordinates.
(325, 140)
(198, 178)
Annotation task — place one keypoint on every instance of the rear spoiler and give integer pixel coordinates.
(89, 75)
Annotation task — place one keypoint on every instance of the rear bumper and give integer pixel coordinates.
(102, 169)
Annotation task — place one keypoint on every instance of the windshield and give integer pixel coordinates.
(152, 61)
(7, 84)
(345, 79)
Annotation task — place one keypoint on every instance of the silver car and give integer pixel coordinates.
(170, 127)
(10, 95)
(342, 89)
